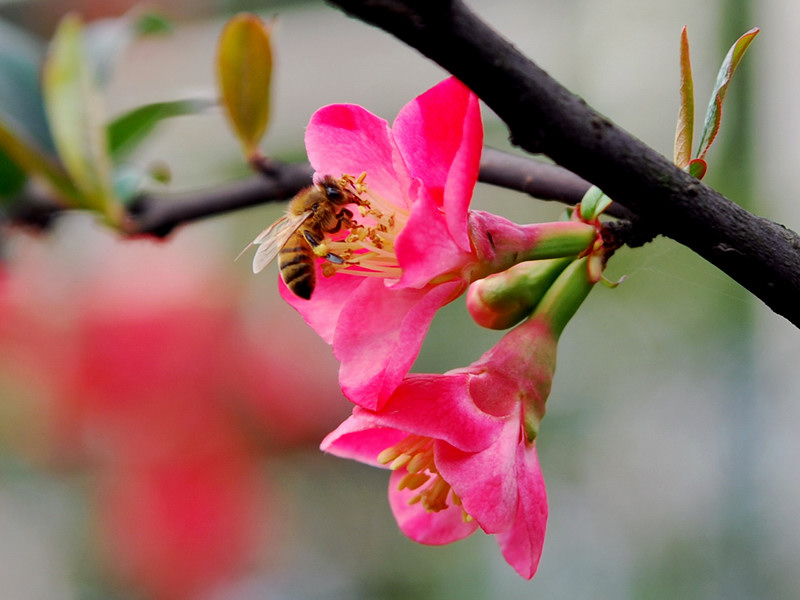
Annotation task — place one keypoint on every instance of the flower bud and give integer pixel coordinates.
(500, 244)
(502, 300)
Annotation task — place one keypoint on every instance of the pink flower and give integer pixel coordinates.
(135, 367)
(416, 245)
(176, 527)
(461, 447)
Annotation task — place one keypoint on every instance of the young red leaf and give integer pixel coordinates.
(697, 168)
(714, 113)
(685, 129)
(244, 70)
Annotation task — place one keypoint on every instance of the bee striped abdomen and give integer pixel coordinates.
(296, 263)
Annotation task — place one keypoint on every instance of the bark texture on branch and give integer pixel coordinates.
(544, 117)
(159, 214)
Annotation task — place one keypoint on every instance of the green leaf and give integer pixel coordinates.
(594, 203)
(21, 56)
(685, 129)
(127, 131)
(726, 71)
(76, 114)
(29, 160)
(244, 71)
(12, 178)
(151, 23)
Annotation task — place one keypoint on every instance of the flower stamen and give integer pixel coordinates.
(415, 453)
(367, 244)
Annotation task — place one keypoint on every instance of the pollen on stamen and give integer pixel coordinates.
(400, 461)
(410, 445)
(366, 249)
(329, 269)
(415, 454)
(413, 481)
(434, 497)
(420, 462)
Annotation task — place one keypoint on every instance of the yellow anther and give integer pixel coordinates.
(400, 461)
(389, 455)
(412, 481)
(420, 462)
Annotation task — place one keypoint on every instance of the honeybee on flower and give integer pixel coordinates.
(414, 245)
(299, 236)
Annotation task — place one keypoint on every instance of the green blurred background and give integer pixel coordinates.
(669, 449)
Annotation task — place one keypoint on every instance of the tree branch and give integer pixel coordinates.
(540, 180)
(544, 117)
(159, 214)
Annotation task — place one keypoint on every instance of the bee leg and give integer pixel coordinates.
(342, 218)
(312, 241)
(334, 258)
(330, 256)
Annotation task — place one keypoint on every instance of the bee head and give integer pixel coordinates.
(333, 191)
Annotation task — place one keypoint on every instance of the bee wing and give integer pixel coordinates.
(273, 238)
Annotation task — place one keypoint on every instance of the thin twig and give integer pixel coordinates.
(159, 214)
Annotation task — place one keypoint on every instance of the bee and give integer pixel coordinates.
(297, 237)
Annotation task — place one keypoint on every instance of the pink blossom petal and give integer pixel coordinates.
(361, 438)
(434, 528)
(346, 138)
(425, 248)
(441, 138)
(378, 337)
(486, 480)
(522, 544)
(494, 392)
(322, 311)
(437, 406)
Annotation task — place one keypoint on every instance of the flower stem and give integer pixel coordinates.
(564, 297)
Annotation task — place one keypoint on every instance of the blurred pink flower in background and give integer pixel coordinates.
(135, 361)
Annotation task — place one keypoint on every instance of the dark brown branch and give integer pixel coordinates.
(544, 117)
(540, 180)
(159, 214)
